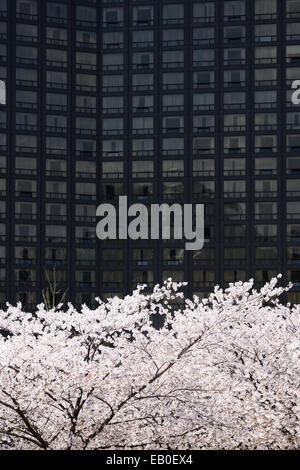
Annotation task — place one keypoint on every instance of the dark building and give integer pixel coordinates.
(163, 101)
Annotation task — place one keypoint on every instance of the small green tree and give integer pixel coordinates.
(52, 296)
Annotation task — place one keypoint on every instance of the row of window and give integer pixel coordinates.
(232, 211)
(232, 234)
(28, 55)
(233, 10)
(265, 33)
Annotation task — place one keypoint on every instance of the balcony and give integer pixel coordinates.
(23, 38)
(204, 173)
(25, 261)
(112, 89)
(26, 238)
(86, 262)
(23, 216)
(173, 65)
(86, 132)
(234, 194)
(117, 110)
(26, 194)
(113, 24)
(55, 195)
(204, 19)
(56, 173)
(85, 110)
(172, 86)
(142, 174)
(203, 195)
(266, 216)
(235, 128)
(54, 262)
(57, 85)
(57, 42)
(57, 107)
(55, 239)
(113, 45)
(26, 16)
(85, 218)
(234, 172)
(26, 60)
(172, 196)
(90, 67)
(23, 149)
(56, 129)
(56, 20)
(26, 84)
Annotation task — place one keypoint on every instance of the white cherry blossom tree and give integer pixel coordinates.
(222, 373)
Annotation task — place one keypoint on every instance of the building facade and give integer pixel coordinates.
(163, 101)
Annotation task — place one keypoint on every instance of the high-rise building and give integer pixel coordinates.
(160, 100)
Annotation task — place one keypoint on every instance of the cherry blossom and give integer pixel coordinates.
(220, 373)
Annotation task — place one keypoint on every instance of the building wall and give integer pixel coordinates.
(163, 101)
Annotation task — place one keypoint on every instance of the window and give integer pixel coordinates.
(173, 81)
(204, 79)
(26, 55)
(234, 78)
(86, 39)
(266, 55)
(203, 101)
(112, 17)
(203, 124)
(57, 12)
(86, 16)
(56, 102)
(265, 99)
(142, 60)
(292, 54)
(142, 147)
(113, 62)
(173, 59)
(142, 82)
(172, 103)
(113, 40)
(113, 126)
(293, 8)
(234, 10)
(265, 9)
(56, 58)
(142, 38)
(142, 169)
(203, 12)
(57, 36)
(234, 34)
(26, 78)
(86, 61)
(142, 125)
(26, 9)
(234, 56)
(266, 32)
(203, 57)
(112, 83)
(292, 31)
(57, 80)
(265, 77)
(142, 104)
(26, 32)
(173, 14)
(202, 36)
(173, 37)
(142, 16)
(113, 104)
